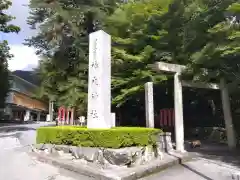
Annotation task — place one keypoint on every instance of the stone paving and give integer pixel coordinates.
(200, 169)
(214, 162)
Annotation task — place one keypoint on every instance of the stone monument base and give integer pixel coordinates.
(103, 158)
(84, 166)
(121, 164)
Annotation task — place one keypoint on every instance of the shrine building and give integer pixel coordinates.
(20, 103)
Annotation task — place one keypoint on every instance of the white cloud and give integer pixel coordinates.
(24, 58)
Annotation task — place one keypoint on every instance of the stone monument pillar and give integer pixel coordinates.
(99, 81)
(149, 107)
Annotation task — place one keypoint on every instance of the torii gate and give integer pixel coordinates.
(178, 102)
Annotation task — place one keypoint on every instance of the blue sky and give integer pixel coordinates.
(24, 57)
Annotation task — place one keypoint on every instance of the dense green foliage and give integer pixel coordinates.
(5, 27)
(220, 51)
(195, 33)
(181, 32)
(108, 138)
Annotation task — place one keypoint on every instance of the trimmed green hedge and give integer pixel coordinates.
(108, 138)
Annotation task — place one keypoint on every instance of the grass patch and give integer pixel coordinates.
(108, 138)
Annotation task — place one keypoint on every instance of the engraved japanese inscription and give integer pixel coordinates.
(94, 95)
(94, 114)
(95, 64)
(95, 81)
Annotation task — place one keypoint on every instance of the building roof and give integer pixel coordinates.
(29, 76)
(24, 81)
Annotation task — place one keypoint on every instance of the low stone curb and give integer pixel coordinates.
(127, 174)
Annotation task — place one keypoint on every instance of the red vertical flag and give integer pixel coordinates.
(167, 117)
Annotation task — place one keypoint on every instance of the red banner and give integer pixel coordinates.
(167, 117)
(61, 114)
(65, 116)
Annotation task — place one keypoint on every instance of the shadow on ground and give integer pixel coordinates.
(217, 152)
(15, 128)
(14, 122)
